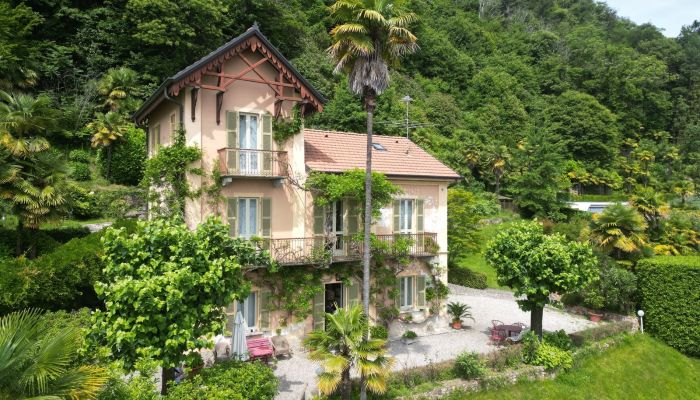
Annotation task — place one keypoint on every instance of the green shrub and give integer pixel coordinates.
(378, 332)
(230, 380)
(63, 234)
(530, 345)
(600, 332)
(81, 156)
(558, 339)
(469, 366)
(670, 298)
(507, 357)
(112, 202)
(62, 279)
(43, 241)
(552, 357)
(465, 277)
(127, 162)
(79, 171)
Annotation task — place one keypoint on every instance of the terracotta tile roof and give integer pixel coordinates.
(332, 151)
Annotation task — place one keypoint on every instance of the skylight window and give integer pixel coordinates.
(378, 146)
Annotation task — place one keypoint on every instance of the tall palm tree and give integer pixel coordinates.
(34, 185)
(370, 36)
(107, 129)
(119, 89)
(36, 362)
(619, 231)
(118, 86)
(25, 121)
(651, 205)
(343, 347)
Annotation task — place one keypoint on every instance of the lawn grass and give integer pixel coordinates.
(639, 367)
(477, 262)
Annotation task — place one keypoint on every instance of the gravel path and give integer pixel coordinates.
(298, 374)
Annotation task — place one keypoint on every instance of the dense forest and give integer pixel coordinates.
(535, 99)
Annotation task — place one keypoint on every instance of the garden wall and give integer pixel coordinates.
(670, 297)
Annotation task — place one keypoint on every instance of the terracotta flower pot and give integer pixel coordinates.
(457, 324)
(595, 317)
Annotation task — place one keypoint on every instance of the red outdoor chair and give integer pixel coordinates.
(498, 336)
(260, 349)
(496, 323)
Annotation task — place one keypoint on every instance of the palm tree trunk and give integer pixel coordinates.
(370, 103)
(166, 375)
(18, 242)
(346, 385)
(109, 162)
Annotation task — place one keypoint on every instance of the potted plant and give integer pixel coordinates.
(458, 311)
(409, 337)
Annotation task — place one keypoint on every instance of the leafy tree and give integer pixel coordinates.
(369, 37)
(464, 211)
(343, 347)
(618, 231)
(165, 288)
(588, 128)
(18, 50)
(537, 265)
(38, 362)
(540, 179)
(127, 159)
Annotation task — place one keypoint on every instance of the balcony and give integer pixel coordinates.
(319, 250)
(234, 162)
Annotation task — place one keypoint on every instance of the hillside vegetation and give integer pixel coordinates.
(526, 97)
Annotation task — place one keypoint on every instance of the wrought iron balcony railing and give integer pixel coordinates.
(329, 249)
(252, 163)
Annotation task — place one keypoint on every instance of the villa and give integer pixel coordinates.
(228, 103)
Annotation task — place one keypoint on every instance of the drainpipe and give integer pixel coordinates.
(179, 104)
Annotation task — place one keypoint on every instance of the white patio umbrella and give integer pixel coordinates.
(239, 350)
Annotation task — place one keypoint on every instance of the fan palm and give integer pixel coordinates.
(619, 230)
(651, 205)
(343, 347)
(107, 129)
(370, 35)
(36, 191)
(24, 123)
(118, 86)
(36, 362)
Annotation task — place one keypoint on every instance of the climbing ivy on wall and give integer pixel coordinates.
(283, 129)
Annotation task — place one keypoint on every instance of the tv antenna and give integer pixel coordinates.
(406, 123)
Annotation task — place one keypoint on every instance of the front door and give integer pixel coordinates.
(247, 217)
(248, 158)
(333, 297)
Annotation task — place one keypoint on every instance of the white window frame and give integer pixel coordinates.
(244, 220)
(407, 297)
(154, 139)
(245, 310)
(173, 126)
(338, 233)
(407, 223)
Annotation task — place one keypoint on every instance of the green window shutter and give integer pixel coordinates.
(319, 220)
(231, 140)
(267, 142)
(264, 309)
(319, 310)
(232, 215)
(420, 291)
(353, 223)
(419, 216)
(397, 209)
(353, 294)
(266, 217)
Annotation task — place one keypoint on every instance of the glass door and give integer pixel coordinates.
(338, 231)
(249, 160)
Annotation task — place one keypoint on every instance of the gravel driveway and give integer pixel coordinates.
(298, 374)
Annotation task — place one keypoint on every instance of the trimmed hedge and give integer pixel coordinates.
(465, 277)
(669, 288)
(600, 332)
